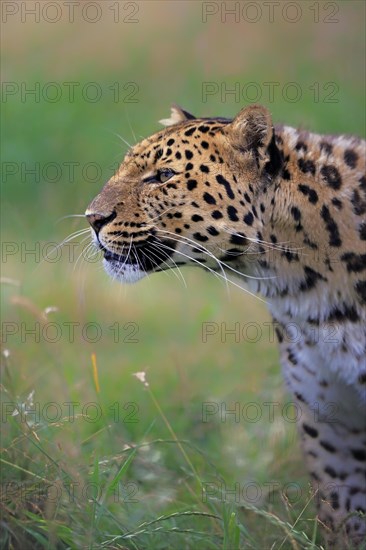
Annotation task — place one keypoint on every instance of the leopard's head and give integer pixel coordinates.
(189, 194)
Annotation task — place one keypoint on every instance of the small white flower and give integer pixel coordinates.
(50, 309)
(142, 377)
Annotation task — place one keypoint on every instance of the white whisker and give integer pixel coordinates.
(123, 140)
(273, 246)
(129, 123)
(156, 246)
(211, 255)
(81, 255)
(215, 273)
(194, 244)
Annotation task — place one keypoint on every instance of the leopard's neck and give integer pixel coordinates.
(307, 222)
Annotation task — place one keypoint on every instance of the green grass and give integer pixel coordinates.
(150, 472)
(151, 445)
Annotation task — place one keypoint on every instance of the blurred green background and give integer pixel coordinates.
(102, 74)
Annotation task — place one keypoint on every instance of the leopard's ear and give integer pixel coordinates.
(177, 115)
(252, 130)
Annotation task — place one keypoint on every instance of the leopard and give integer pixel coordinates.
(282, 211)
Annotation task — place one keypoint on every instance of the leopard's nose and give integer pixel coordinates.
(97, 220)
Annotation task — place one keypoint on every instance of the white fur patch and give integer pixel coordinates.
(176, 115)
(124, 273)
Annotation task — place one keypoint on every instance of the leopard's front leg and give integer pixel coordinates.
(332, 427)
(335, 456)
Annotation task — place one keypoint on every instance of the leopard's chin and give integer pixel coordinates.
(137, 260)
(123, 272)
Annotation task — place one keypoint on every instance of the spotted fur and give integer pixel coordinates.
(285, 211)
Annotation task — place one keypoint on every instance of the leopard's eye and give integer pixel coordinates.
(162, 175)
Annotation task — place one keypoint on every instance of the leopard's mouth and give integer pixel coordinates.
(143, 257)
